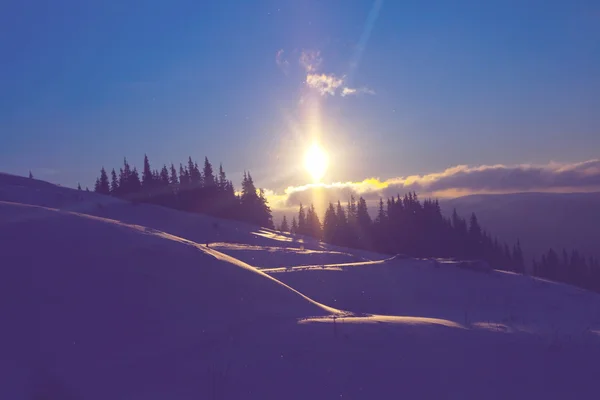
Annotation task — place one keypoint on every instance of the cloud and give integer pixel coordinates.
(310, 60)
(281, 61)
(346, 91)
(325, 84)
(456, 181)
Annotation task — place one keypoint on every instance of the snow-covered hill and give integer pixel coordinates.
(100, 298)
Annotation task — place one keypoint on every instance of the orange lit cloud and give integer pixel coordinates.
(454, 182)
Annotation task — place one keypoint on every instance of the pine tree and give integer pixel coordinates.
(78, 186)
(125, 179)
(135, 184)
(195, 178)
(147, 175)
(517, 257)
(329, 225)
(97, 186)
(294, 227)
(184, 177)
(114, 183)
(164, 176)
(30, 175)
(104, 186)
(313, 225)
(302, 229)
(207, 173)
(284, 225)
(266, 219)
(364, 224)
(474, 228)
(173, 180)
(341, 227)
(222, 181)
(381, 215)
(253, 203)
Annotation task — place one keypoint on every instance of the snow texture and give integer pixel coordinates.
(100, 298)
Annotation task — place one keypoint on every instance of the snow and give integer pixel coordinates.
(102, 299)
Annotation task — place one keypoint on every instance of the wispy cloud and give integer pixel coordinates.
(310, 60)
(346, 91)
(281, 61)
(326, 83)
(456, 181)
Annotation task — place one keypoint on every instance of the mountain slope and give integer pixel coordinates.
(102, 299)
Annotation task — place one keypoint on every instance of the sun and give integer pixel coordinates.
(315, 162)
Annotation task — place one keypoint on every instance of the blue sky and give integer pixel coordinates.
(440, 84)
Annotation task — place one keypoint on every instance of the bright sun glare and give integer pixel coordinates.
(315, 162)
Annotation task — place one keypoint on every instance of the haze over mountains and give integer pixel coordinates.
(540, 220)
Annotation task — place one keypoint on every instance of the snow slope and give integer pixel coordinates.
(103, 299)
(500, 301)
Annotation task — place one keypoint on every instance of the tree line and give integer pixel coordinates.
(418, 229)
(408, 226)
(571, 268)
(190, 189)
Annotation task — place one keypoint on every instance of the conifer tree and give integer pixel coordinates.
(302, 221)
(313, 225)
(517, 257)
(135, 184)
(173, 180)
(284, 225)
(164, 176)
(207, 173)
(329, 224)
(114, 183)
(294, 227)
(104, 186)
(147, 174)
(222, 181)
(184, 178)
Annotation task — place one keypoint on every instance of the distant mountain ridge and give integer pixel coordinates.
(539, 220)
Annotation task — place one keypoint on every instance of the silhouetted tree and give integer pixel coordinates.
(189, 191)
(294, 227)
(329, 224)
(30, 175)
(114, 183)
(207, 173)
(253, 204)
(134, 181)
(284, 225)
(313, 224)
(147, 175)
(78, 186)
(302, 226)
(103, 185)
(517, 258)
(164, 176)
(364, 224)
(173, 180)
